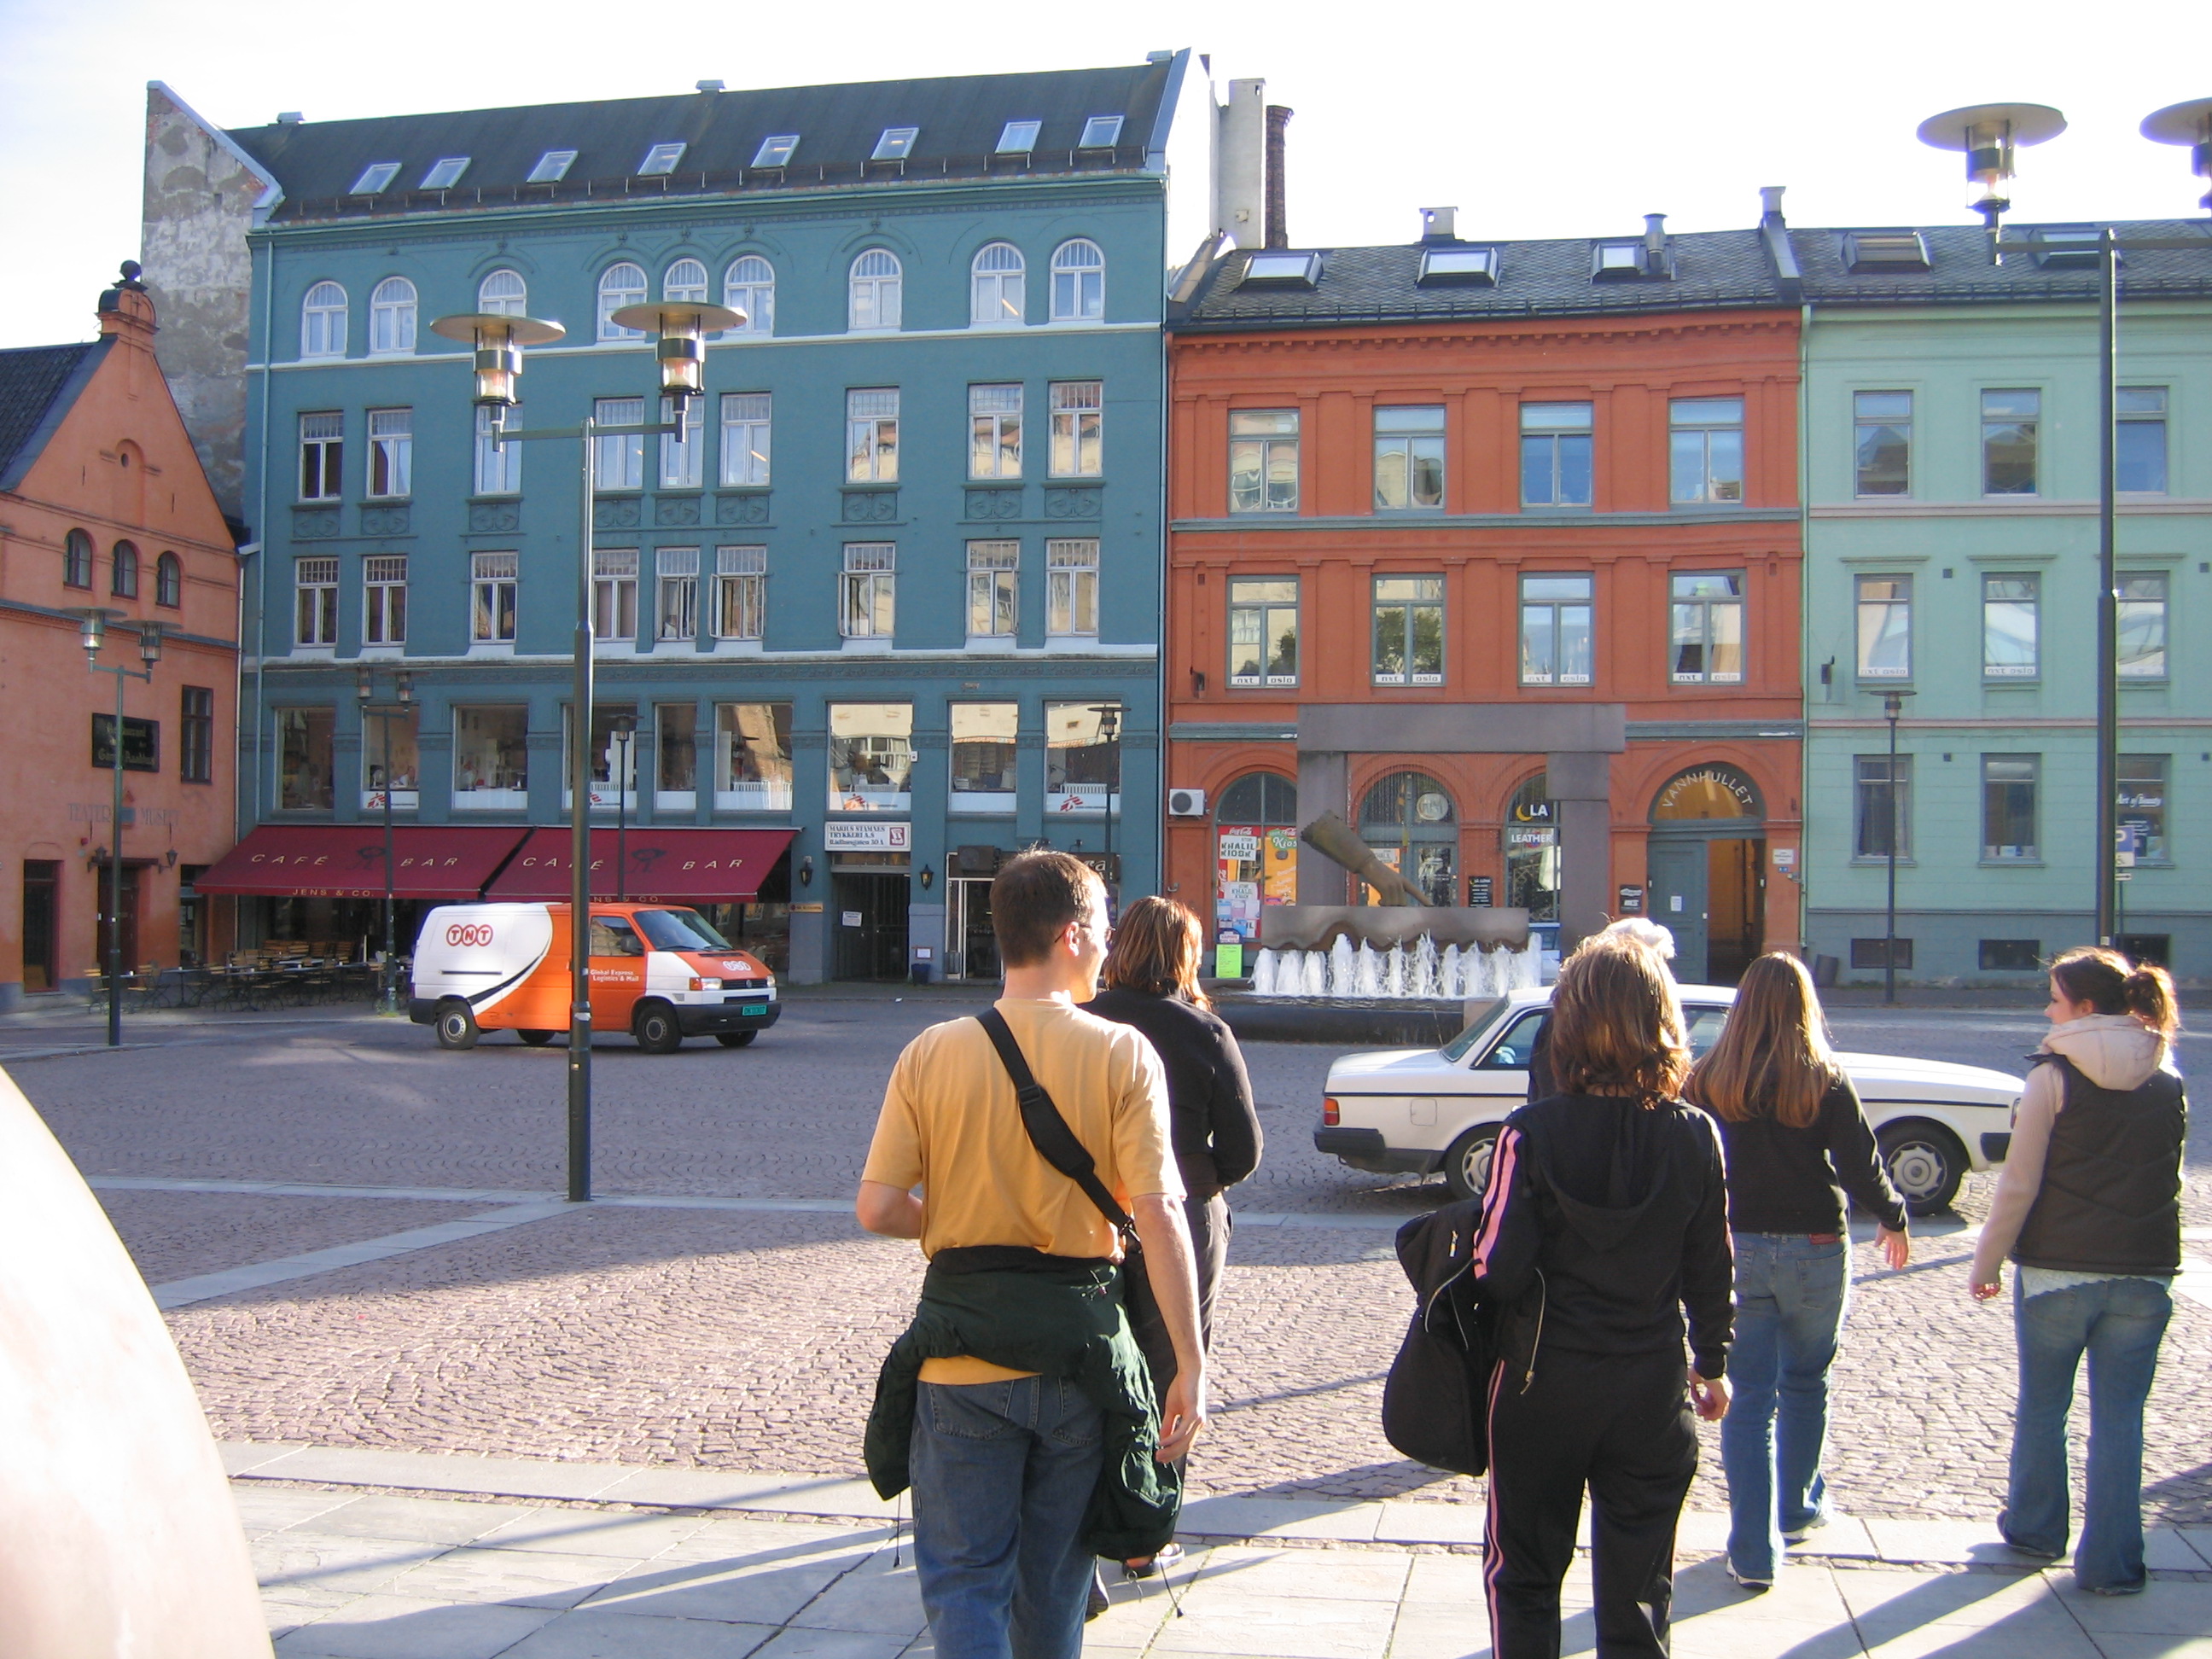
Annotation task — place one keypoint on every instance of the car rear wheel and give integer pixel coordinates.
(535, 1039)
(1466, 1165)
(657, 1033)
(735, 1039)
(1925, 1162)
(457, 1025)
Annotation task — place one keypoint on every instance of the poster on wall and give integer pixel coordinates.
(1280, 880)
(1254, 866)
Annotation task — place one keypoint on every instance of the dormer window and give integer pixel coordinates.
(1100, 132)
(1459, 267)
(897, 144)
(1274, 268)
(1879, 251)
(445, 172)
(2064, 247)
(660, 160)
(1019, 137)
(1616, 262)
(375, 178)
(552, 166)
(776, 151)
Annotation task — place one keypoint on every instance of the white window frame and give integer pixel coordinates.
(2026, 602)
(1410, 592)
(498, 466)
(998, 286)
(993, 724)
(661, 159)
(1078, 428)
(686, 283)
(323, 321)
(1403, 431)
(676, 613)
(1693, 423)
(994, 591)
(503, 292)
(748, 418)
(1863, 611)
(494, 597)
(1017, 138)
(776, 151)
(1071, 588)
(620, 463)
(751, 291)
(1079, 281)
(375, 178)
(1101, 133)
(384, 599)
(509, 793)
(895, 144)
(390, 454)
(1557, 606)
(1254, 623)
(683, 454)
(1551, 425)
(614, 597)
(875, 298)
(552, 166)
(2139, 604)
(868, 591)
(315, 603)
(445, 172)
(871, 434)
(326, 444)
(740, 593)
(1264, 442)
(1685, 604)
(617, 289)
(392, 319)
(995, 431)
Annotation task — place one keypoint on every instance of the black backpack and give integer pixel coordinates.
(1435, 1409)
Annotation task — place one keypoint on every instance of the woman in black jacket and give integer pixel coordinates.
(1605, 1221)
(1797, 1141)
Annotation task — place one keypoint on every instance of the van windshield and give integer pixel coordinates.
(680, 930)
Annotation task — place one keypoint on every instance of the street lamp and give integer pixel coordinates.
(1892, 705)
(1109, 731)
(387, 995)
(93, 635)
(499, 342)
(625, 731)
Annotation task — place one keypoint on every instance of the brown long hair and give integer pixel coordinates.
(1616, 1023)
(1158, 947)
(1773, 1056)
(2090, 973)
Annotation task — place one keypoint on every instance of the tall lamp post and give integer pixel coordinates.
(1110, 729)
(1892, 705)
(499, 341)
(93, 635)
(1988, 133)
(625, 733)
(387, 993)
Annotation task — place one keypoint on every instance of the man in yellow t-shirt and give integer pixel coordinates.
(1003, 1461)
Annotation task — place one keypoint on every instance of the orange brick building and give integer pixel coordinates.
(1493, 549)
(103, 504)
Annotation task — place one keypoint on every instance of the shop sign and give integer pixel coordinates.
(1531, 834)
(1479, 890)
(852, 918)
(1240, 844)
(812, 908)
(141, 743)
(1785, 858)
(1632, 900)
(841, 838)
(1707, 781)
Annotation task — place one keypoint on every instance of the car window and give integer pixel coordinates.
(1479, 1028)
(1705, 1028)
(613, 936)
(680, 930)
(1514, 1049)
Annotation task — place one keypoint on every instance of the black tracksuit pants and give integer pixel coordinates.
(1621, 1425)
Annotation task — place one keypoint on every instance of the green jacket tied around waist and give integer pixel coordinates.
(1058, 1317)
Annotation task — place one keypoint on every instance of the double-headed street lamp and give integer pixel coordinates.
(499, 341)
(1892, 705)
(93, 636)
(625, 733)
(387, 993)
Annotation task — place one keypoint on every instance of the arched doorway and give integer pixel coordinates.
(1531, 847)
(1255, 830)
(1707, 872)
(1408, 818)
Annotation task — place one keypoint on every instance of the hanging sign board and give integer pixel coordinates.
(839, 835)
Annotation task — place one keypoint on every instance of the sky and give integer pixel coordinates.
(1571, 118)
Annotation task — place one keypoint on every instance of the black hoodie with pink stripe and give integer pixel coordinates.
(1623, 1210)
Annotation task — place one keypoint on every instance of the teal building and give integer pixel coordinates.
(1951, 435)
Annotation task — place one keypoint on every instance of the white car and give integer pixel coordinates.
(1419, 1110)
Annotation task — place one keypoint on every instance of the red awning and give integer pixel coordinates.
(346, 861)
(691, 866)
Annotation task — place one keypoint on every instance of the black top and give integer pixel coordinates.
(2111, 1198)
(1783, 1179)
(1216, 1129)
(1623, 1210)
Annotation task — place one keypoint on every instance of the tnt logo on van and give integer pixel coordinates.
(470, 932)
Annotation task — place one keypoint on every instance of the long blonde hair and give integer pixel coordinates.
(1617, 1023)
(1158, 947)
(1773, 1056)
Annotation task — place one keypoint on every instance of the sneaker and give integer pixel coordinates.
(1749, 1586)
(1170, 1553)
(2136, 1588)
(1098, 1601)
(1798, 1535)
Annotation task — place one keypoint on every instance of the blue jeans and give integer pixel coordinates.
(1002, 1474)
(2118, 1322)
(1790, 1295)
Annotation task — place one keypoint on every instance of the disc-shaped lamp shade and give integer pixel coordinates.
(1988, 134)
(683, 327)
(2187, 124)
(499, 340)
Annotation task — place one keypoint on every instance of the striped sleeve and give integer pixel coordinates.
(1505, 1240)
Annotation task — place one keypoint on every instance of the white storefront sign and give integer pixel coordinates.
(843, 837)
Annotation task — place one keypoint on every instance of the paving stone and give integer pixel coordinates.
(272, 1509)
(595, 1633)
(592, 1532)
(2167, 1608)
(433, 1520)
(1888, 1604)
(404, 1627)
(521, 1578)
(298, 1559)
(873, 1596)
(770, 1592)
(800, 1643)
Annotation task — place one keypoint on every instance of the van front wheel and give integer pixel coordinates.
(657, 1033)
(457, 1025)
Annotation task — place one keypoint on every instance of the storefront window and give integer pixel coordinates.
(491, 759)
(676, 753)
(871, 756)
(306, 775)
(1531, 836)
(1256, 852)
(752, 757)
(397, 768)
(1408, 819)
(983, 755)
(2141, 803)
(1083, 757)
(613, 754)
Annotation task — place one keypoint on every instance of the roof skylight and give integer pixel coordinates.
(1100, 132)
(1876, 251)
(776, 149)
(552, 166)
(1618, 259)
(2064, 247)
(660, 159)
(376, 178)
(1274, 267)
(1019, 138)
(1465, 267)
(445, 172)
(897, 144)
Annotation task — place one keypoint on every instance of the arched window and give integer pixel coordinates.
(750, 287)
(1408, 819)
(503, 294)
(1531, 846)
(392, 316)
(1079, 282)
(621, 285)
(685, 283)
(323, 321)
(169, 581)
(1257, 844)
(997, 285)
(875, 292)
(122, 583)
(76, 560)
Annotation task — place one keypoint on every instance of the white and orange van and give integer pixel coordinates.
(658, 971)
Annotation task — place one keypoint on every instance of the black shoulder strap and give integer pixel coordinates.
(1047, 1130)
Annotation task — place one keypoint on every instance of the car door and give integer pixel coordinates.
(618, 969)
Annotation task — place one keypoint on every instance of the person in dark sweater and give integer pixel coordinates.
(1797, 1142)
(1605, 1221)
(2089, 1208)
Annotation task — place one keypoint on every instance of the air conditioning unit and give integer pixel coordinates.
(1186, 803)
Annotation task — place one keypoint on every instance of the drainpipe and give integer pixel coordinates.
(260, 566)
(1278, 234)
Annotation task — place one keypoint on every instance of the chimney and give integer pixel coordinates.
(1439, 224)
(1240, 178)
(290, 117)
(709, 86)
(1770, 203)
(1278, 233)
(126, 310)
(1655, 244)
